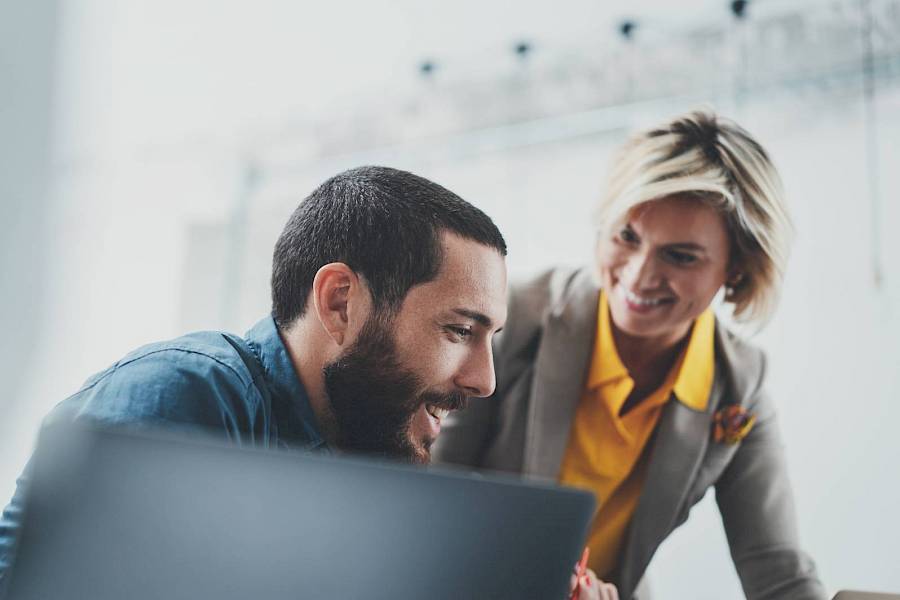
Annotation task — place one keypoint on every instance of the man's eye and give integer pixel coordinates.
(461, 333)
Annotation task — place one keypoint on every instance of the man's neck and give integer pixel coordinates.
(308, 357)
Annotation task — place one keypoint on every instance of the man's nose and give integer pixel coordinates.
(477, 375)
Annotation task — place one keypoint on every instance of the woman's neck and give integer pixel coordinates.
(649, 359)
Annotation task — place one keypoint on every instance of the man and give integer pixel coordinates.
(386, 292)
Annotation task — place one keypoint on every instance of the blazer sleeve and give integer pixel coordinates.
(757, 508)
(467, 434)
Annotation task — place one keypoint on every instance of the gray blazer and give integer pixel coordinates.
(541, 360)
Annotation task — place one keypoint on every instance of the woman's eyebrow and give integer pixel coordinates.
(687, 246)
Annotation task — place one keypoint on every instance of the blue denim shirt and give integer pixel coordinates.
(246, 389)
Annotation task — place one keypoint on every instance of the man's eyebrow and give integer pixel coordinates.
(480, 318)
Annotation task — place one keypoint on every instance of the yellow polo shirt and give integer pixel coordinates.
(605, 450)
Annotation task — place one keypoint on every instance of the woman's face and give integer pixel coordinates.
(662, 266)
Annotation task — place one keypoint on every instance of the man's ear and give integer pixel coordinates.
(336, 289)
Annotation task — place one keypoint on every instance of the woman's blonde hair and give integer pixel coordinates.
(716, 161)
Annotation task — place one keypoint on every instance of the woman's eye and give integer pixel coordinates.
(628, 236)
(681, 258)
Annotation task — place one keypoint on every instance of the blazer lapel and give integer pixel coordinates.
(677, 449)
(560, 368)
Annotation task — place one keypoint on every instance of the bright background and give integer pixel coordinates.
(150, 152)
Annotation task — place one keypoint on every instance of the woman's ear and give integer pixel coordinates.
(334, 288)
(733, 282)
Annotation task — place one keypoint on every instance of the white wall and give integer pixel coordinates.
(160, 105)
(27, 80)
(834, 344)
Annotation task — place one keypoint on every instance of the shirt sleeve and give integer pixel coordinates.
(168, 388)
(10, 522)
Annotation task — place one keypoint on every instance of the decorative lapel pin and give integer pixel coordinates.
(732, 424)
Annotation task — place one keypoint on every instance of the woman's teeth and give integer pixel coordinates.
(641, 301)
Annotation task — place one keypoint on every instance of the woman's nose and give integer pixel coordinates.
(641, 272)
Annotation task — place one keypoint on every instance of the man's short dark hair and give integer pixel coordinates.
(385, 224)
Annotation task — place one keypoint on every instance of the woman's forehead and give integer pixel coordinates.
(677, 217)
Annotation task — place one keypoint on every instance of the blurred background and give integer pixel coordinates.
(150, 153)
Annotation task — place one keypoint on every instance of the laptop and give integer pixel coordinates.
(115, 514)
(851, 595)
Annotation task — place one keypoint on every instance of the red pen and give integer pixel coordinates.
(580, 570)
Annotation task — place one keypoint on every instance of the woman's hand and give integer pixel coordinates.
(590, 587)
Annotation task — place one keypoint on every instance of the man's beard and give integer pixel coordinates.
(374, 398)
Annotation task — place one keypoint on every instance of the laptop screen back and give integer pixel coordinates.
(113, 515)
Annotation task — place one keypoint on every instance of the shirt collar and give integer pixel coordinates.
(289, 398)
(695, 367)
(606, 366)
(695, 377)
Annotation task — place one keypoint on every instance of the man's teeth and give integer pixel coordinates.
(437, 413)
(641, 301)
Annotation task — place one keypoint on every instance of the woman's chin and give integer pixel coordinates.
(640, 323)
(660, 329)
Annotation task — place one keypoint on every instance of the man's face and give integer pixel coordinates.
(390, 391)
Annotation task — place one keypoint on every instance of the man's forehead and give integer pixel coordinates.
(489, 315)
(472, 278)
(483, 302)
(481, 267)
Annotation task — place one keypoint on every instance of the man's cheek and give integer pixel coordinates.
(419, 424)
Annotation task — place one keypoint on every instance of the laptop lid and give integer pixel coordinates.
(113, 515)
(851, 595)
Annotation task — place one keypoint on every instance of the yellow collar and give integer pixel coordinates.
(606, 366)
(696, 366)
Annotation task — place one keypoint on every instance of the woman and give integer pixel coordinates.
(622, 381)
